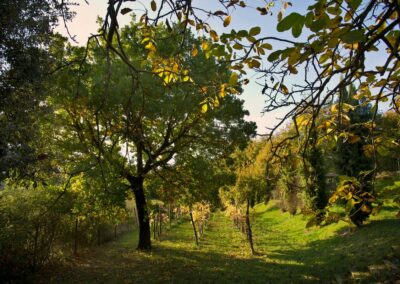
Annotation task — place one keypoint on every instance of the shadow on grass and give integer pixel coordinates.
(353, 256)
(175, 260)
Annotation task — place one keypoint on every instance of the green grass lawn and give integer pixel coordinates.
(287, 253)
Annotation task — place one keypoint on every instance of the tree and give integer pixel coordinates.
(26, 29)
(340, 40)
(136, 123)
(354, 153)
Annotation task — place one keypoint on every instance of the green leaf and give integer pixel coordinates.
(266, 46)
(354, 3)
(153, 5)
(251, 39)
(219, 51)
(233, 79)
(125, 10)
(353, 37)
(254, 31)
(237, 46)
(291, 20)
(242, 33)
(320, 24)
(296, 29)
(274, 55)
(254, 64)
(309, 19)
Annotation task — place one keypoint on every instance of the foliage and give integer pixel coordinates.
(135, 124)
(25, 61)
(331, 41)
(353, 150)
(201, 215)
(37, 217)
(358, 202)
(388, 142)
(30, 222)
(290, 181)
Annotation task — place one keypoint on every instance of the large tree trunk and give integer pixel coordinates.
(143, 214)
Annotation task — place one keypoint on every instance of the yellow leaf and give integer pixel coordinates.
(216, 102)
(353, 138)
(334, 108)
(194, 52)
(204, 90)
(348, 16)
(368, 150)
(146, 39)
(365, 208)
(150, 46)
(284, 89)
(204, 108)
(205, 46)
(333, 198)
(254, 64)
(214, 35)
(380, 83)
(222, 91)
(227, 21)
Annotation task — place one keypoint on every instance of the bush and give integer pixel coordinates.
(29, 218)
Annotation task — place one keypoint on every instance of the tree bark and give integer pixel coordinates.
(169, 215)
(248, 227)
(154, 226)
(76, 237)
(35, 248)
(143, 214)
(98, 235)
(194, 228)
(160, 222)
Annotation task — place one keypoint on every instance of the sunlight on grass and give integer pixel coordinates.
(287, 253)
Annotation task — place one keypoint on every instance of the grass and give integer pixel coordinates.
(288, 253)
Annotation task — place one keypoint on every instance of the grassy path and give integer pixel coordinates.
(288, 254)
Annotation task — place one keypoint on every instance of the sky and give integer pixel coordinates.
(85, 24)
